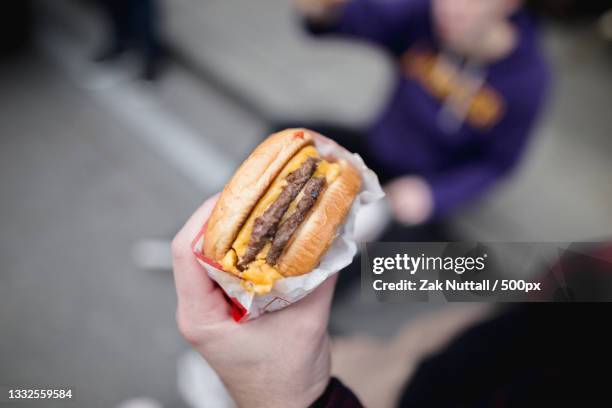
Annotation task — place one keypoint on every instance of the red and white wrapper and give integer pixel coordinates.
(247, 305)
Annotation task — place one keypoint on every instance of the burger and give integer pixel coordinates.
(281, 210)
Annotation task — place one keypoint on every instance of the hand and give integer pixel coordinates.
(411, 199)
(281, 359)
(318, 10)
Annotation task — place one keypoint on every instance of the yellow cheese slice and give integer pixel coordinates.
(259, 277)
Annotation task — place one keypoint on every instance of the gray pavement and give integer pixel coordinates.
(82, 182)
(260, 48)
(78, 190)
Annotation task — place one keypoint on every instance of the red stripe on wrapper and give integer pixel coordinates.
(238, 311)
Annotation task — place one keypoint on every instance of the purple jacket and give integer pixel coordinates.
(461, 148)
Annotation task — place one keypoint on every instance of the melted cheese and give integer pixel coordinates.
(259, 277)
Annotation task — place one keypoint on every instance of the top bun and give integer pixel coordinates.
(248, 184)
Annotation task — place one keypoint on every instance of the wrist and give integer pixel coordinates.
(298, 389)
(269, 399)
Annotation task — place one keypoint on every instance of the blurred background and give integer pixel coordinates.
(100, 164)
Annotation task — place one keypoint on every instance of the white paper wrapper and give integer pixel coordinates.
(289, 290)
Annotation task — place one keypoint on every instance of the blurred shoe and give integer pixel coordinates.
(152, 68)
(149, 73)
(199, 385)
(378, 369)
(140, 403)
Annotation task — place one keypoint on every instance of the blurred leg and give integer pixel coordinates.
(377, 369)
(117, 13)
(144, 19)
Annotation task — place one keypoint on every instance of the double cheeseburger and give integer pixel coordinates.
(279, 213)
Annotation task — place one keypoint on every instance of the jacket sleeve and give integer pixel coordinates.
(337, 395)
(457, 186)
(392, 24)
(506, 142)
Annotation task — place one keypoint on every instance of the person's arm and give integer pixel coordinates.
(457, 186)
(281, 359)
(388, 23)
(414, 199)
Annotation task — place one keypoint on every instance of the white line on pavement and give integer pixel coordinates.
(202, 162)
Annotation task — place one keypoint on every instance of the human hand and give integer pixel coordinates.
(410, 199)
(281, 359)
(318, 10)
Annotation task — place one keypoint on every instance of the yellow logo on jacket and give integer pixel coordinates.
(446, 83)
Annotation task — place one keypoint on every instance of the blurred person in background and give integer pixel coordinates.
(133, 25)
(471, 82)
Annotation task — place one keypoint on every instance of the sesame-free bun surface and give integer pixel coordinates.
(246, 187)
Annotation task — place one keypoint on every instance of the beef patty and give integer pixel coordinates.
(285, 232)
(265, 225)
